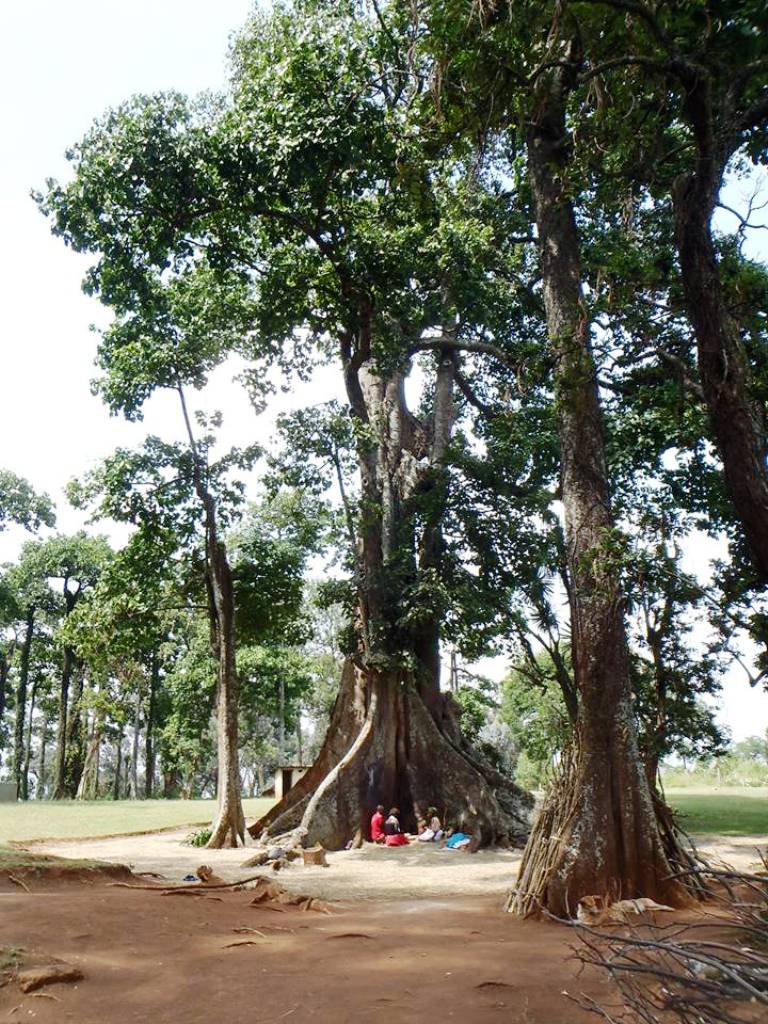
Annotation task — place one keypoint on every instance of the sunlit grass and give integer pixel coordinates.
(729, 811)
(75, 819)
(734, 811)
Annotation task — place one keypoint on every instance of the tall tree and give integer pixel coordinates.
(169, 491)
(608, 839)
(346, 241)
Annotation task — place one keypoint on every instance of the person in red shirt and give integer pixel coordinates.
(377, 825)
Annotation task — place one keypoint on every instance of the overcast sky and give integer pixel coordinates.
(61, 65)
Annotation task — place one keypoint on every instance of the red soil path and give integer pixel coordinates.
(168, 959)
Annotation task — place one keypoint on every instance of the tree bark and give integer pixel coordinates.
(149, 737)
(41, 776)
(28, 742)
(133, 791)
(299, 740)
(601, 836)
(5, 666)
(229, 825)
(60, 765)
(281, 720)
(88, 789)
(407, 759)
(22, 784)
(118, 765)
(68, 667)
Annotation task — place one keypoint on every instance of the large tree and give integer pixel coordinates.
(598, 832)
(310, 185)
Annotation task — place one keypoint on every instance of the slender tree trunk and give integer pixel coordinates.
(133, 790)
(5, 666)
(22, 790)
(149, 741)
(229, 826)
(601, 837)
(118, 765)
(41, 770)
(299, 740)
(60, 767)
(88, 788)
(28, 743)
(281, 720)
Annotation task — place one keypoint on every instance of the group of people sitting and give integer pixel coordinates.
(387, 831)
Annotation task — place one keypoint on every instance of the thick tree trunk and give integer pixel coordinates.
(22, 785)
(401, 756)
(736, 424)
(599, 835)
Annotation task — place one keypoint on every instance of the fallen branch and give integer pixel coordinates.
(187, 888)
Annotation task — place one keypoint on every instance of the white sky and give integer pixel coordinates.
(61, 65)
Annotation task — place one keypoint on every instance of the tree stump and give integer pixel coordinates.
(315, 856)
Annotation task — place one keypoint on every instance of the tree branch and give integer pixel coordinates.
(466, 389)
(480, 347)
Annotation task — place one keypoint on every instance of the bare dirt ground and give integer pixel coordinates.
(419, 871)
(412, 933)
(152, 958)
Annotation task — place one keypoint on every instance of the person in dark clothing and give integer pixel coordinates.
(394, 834)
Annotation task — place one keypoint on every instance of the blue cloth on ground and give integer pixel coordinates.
(456, 838)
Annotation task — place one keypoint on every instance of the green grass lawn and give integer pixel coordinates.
(732, 811)
(727, 811)
(74, 819)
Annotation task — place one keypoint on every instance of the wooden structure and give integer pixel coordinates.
(286, 777)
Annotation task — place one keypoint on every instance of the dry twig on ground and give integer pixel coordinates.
(702, 972)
